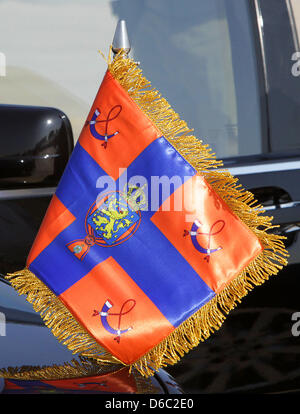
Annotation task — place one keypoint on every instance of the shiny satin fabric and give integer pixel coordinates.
(215, 242)
(132, 277)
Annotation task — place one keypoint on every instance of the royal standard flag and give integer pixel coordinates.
(146, 244)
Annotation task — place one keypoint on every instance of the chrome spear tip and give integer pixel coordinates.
(121, 40)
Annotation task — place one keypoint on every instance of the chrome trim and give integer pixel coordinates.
(261, 168)
(26, 193)
(293, 229)
(290, 204)
(260, 25)
(293, 24)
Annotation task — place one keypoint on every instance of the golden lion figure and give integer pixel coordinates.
(113, 218)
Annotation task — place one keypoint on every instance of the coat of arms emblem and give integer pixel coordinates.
(110, 221)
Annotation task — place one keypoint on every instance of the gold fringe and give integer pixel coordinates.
(211, 316)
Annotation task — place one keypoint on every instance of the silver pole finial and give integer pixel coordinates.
(121, 40)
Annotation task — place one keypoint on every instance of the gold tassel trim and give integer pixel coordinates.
(210, 317)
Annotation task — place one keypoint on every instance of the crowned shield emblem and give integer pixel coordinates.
(113, 219)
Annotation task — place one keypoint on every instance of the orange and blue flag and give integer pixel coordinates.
(147, 273)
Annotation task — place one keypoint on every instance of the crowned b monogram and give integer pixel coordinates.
(112, 114)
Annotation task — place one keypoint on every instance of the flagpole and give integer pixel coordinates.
(121, 39)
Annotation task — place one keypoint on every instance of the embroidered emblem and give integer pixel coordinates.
(215, 229)
(105, 313)
(109, 222)
(113, 218)
(112, 114)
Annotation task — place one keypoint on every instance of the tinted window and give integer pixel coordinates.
(200, 55)
(280, 22)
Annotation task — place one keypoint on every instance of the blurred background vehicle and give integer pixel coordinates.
(231, 69)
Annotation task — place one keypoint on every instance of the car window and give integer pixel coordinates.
(280, 31)
(199, 54)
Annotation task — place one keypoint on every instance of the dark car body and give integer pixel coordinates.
(257, 349)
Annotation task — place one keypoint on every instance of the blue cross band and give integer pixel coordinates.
(148, 257)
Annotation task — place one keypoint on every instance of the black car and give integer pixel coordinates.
(237, 82)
